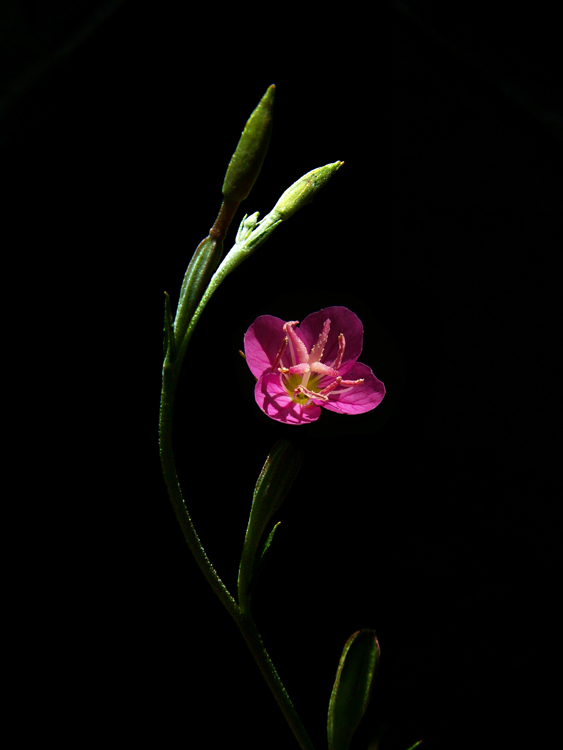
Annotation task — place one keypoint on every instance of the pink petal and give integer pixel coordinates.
(359, 398)
(342, 321)
(275, 402)
(262, 342)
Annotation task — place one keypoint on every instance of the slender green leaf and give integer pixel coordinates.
(268, 542)
(352, 688)
(273, 484)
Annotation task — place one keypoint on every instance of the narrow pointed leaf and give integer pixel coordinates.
(259, 560)
(352, 688)
(273, 484)
(268, 541)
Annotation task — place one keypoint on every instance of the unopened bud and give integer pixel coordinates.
(248, 158)
(246, 227)
(304, 190)
(196, 280)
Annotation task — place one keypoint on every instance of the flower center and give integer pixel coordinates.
(297, 387)
(305, 378)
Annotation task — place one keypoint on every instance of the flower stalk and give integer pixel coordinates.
(243, 620)
(204, 274)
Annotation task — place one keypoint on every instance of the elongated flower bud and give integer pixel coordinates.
(304, 190)
(198, 274)
(249, 155)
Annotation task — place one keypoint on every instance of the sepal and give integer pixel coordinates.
(352, 688)
(273, 484)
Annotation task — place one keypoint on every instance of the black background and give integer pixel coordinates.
(433, 518)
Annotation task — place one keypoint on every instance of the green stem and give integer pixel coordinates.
(244, 622)
(169, 381)
(254, 642)
(224, 218)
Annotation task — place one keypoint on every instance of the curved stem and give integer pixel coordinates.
(169, 381)
(244, 622)
(254, 642)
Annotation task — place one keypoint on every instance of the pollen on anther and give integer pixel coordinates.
(340, 355)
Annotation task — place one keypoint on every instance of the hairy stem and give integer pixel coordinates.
(244, 622)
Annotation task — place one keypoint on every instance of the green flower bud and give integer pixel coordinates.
(201, 268)
(246, 227)
(304, 190)
(248, 158)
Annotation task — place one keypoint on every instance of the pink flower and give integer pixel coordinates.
(298, 370)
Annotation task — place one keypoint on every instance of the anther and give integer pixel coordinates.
(341, 347)
(331, 387)
(350, 383)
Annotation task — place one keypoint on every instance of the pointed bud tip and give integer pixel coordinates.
(304, 190)
(246, 162)
(266, 103)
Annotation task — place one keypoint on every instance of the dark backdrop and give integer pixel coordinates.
(431, 519)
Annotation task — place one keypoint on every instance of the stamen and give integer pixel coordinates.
(351, 383)
(279, 354)
(300, 348)
(331, 387)
(341, 347)
(346, 384)
(318, 349)
(309, 394)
